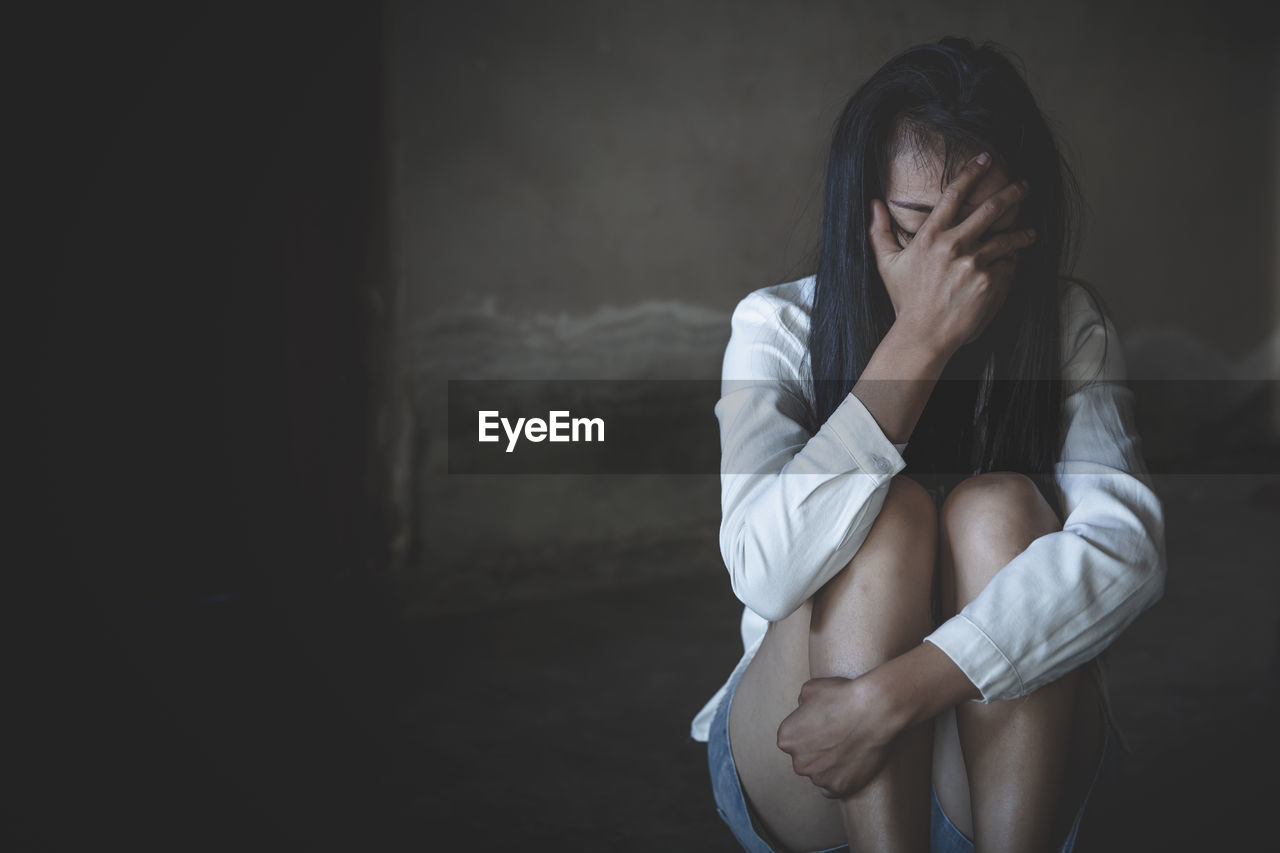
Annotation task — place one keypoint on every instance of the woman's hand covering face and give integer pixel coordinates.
(949, 277)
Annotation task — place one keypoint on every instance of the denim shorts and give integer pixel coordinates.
(944, 837)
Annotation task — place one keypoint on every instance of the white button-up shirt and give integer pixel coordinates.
(797, 505)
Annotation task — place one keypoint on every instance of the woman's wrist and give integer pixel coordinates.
(919, 685)
(918, 346)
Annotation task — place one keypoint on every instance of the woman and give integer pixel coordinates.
(923, 618)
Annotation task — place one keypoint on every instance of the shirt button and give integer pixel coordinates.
(881, 465)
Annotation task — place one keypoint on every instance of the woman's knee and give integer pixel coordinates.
(900, 549)
(907, 527)
(987, 520)
(909, 497)
(996, 496)
(907, 515)
(879, 604)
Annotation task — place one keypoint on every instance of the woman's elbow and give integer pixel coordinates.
(763, 592)
(1157, 573)
(753, 588)
(765, 603)
(1147, 571)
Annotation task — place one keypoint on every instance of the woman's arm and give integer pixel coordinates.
(795, 506)
(1056, 605)
(1070, 593)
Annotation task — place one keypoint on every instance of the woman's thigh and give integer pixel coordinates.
(792, 809)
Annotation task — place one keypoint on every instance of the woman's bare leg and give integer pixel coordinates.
(1015, 752)
(877, 607)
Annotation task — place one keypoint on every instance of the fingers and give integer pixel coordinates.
(1003, 246)
(883, 242)
(948, 207)
(970, 231)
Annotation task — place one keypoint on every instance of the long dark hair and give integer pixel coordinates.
(950, 98)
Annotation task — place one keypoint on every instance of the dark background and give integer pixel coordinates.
(217, 668)
(246, 227)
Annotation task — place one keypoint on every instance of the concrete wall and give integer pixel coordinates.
(586, 189)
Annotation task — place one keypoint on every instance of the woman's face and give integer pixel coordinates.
(915, 185)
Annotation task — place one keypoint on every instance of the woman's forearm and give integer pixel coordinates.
(920, 684)
(841, 733)
(897, 381)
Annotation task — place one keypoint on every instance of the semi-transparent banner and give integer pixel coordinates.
(675, 426)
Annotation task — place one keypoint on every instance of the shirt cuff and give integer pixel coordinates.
(979, 659)
(864, 440)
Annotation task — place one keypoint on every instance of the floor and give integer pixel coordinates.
(564, 724)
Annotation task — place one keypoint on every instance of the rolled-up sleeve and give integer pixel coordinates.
(795, 505)
(1066, 597)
